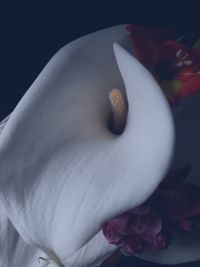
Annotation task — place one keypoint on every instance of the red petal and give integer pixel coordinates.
(147, 42)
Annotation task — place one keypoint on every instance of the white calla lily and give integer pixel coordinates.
(63, 173)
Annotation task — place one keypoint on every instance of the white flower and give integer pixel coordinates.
(63, 173)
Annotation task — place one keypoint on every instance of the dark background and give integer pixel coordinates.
(33, 30)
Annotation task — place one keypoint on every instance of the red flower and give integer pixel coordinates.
(174, 208)
(174, 65)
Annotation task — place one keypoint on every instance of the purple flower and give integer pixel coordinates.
(174, 208)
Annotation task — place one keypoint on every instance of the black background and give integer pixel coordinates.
(32, 31)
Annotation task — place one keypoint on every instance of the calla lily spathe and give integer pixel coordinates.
(63, 173)
(13, 250)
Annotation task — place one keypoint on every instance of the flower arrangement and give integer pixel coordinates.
(92, 139)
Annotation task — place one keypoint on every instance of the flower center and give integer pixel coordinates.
(183, 59)
(119, 111)
(168, 69)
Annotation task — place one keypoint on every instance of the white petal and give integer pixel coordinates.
(13, 250)
(92, 253)
(64, 173)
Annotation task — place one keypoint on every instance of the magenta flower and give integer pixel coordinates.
(174, 208)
